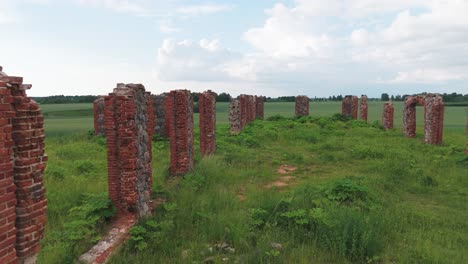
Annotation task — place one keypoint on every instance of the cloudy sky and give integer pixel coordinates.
(274, 48)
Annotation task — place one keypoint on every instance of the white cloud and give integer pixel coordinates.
(167, 27)
(8, 12)
(203, 9)
(186, 60)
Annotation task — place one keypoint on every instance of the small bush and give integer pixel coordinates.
(84, 166)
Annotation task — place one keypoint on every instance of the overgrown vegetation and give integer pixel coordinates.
(359, 194)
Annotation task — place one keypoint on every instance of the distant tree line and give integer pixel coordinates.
(225, 97)
(452, 97)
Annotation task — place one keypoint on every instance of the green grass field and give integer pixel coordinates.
(358, 195)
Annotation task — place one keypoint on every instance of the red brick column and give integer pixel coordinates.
(207, 107)
(23, 142)
(363, 108)
(259, 107)
(409, 115)
(234, 117)
(387, 116)
(302, 105)
(349, 106)
(129, 119)
(433, 119)
(160, 116)
(179, 116)
(7, 186)
(99, 126)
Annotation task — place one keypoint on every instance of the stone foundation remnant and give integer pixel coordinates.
(387, 116)
(179, 119)
(259, 107)
(349, 106)
(22, 164)
(99, 126)
(207, 108)
(363, 107)
(160, 115)
(433, 117)
(302, 105)
(129, 118)
(234, 117)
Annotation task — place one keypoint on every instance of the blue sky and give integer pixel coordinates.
(274, 48)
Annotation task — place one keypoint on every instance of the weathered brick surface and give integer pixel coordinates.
(301, 105)
(247, 108)
(160, 115)
(349, 106)
(99, 126)
(207, 108)
(259, 107)
(22, 162)
(234, 116)
(433, 117)
(129, 119)
(387, 116)
(363, 107)
(179, 118)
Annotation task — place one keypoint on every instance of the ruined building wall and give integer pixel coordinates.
(259, 107)
(160, 116)
(179, 118)
(22, 162)
(387, 116)
(207, 108)
(433, 117)
(234, 117)
(129, 118)
(99, 126)
(363, 108)
(301, 105)
(349, 106)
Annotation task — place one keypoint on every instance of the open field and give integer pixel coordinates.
(350, 193)
(68, 118)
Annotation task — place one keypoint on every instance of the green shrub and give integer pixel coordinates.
(84, 166)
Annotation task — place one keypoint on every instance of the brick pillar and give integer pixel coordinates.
(349, 106)
(22, 160)
(259, 107)
(302, 105)
(409, 116)
(179, 116)
(433, 119)
(7, 186)
(234, 117)
(363, 108)
(99, 127)
(129, 119)
(387, 116)
(207, 107)
(243, 110)
(160, 116)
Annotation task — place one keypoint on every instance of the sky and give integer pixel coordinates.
(272, 48)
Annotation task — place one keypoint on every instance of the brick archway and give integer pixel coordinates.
(433, 117)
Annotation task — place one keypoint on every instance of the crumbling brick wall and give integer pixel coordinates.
(363, 108)
(160, 116)
(22, 162)
(247, 109)
(433, 117)
(259, 107)
(207, 109)
(349, 106)
(234, 117)
(301, 105)
(179, 116)
(99, 126)
(129, 119)
(387, 116)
